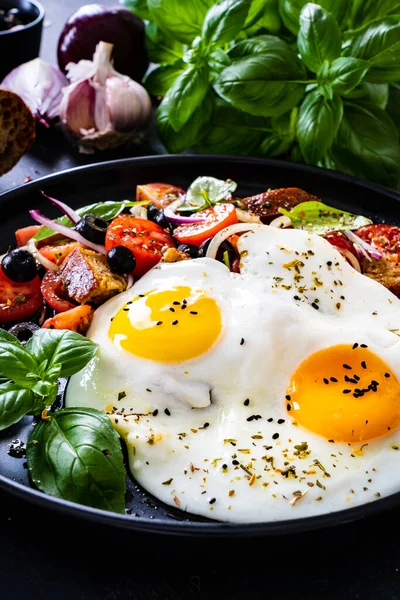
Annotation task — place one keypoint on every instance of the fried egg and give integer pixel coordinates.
(261, 396)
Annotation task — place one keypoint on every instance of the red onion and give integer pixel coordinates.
(174, 218)
(69, 233)
(94, 23)
(39, 85)
(359, 243)
(71, 214)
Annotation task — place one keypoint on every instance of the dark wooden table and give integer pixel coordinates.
(45, 556)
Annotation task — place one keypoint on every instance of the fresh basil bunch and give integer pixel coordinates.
(323, 92)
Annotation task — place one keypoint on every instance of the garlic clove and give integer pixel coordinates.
(77, 107)
(127, 107)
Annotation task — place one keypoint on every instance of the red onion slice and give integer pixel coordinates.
(66, 231)
(174, 218)
(71, 214)
(362, 244)
(350, 258)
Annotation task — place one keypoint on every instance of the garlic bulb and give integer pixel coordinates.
(101, 108)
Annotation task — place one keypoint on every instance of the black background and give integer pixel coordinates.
(43, 555)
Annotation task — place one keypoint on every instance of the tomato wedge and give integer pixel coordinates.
(54, 293)
(385, 238)
(160, 194)
(215, 218)
(56, 253)
(23, 235)
(19, 301)
(77, 319)
(146, 239)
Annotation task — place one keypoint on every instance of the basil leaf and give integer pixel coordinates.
(393, 105)
(15, 403)
(139, 7)
(283, 135)
(206, 191)
(218, 60)
(374, 93)
(266, 84)
(257, 11)
(182, 22)
(367, 145)
(16, 362)
(319, 37)
(69, 349)
(192, 131)
(5, 336)
(290, 11)
(345, 73)
(365, 11)
(233, 131)
(76, 455)
(106, 210)
(317, 125)
(319, 218)
(379, 44)
(264, 44)
(186, 94)
(160, 47)
(159, 80)
(224, 21)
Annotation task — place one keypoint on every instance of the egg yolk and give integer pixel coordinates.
(168, 326)
(345, 393)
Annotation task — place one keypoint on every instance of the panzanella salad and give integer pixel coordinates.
(239, 346)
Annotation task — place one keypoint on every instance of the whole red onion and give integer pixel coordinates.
(94, 23)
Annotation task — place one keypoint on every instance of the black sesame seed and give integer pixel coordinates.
(194, 312)
(288, 407)
(235, 462)
(246, 402)
(176, 303)
(159, 322)
(355, 346)
(287, 397)
(326, 381)
(270, 420)
(224, 466)
(363, 364)
(296, 297)
(250, 418)
(183, 306)
(275, 436)
(206, 425)
(386, 374)
(329, 263)
(363, 346)
(167, 412)
(242, 341)
(155, 412)
(184, 301)
(356, 377)
(346, 366)
(148, 390)
(280, 421)
(334, 380)
(315, 305)
(174, 322)
(212, 500)
(346, 391)
(141, 295)
(171, 309)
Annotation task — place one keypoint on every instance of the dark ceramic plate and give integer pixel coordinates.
(116, 180)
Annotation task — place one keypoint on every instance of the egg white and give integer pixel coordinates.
(229, 458)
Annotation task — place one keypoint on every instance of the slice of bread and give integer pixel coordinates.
(17, 129)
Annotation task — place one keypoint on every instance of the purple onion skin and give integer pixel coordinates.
(94, 23)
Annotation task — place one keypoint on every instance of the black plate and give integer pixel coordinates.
(118, 179)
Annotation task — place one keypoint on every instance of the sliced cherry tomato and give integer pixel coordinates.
(25, 234)
(19, 301)
(160, 194)
(215, 218)
(145, 238)
(341, 241)
(76, 319)
(54, 293)
(385, 238)
(56, 253)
